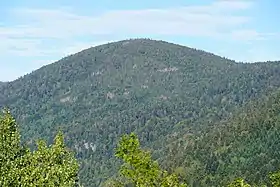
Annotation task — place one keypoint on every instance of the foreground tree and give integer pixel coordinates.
(275, 179)
(51, 165)
(10, 149)
(139, 169)
(239, 183)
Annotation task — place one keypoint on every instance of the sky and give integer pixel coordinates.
(35, 33)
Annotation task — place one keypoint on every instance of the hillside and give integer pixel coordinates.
(246, 145)
(154, 88)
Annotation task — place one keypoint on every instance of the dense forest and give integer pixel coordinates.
(204, 117)
(55, 165)
(246, 145)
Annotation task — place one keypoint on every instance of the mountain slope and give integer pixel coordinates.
(246, 145)
(151, 87)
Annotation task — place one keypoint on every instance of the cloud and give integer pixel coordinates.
(189, 20)
(250, 35)
(36, 26)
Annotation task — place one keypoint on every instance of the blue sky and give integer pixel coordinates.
(35, 33)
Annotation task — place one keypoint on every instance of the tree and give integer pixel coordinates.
(139, 169)
(239, 183)
(51, 165)
(275, 179)
(9, 148)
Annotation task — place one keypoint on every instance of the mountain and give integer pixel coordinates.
(155, 88)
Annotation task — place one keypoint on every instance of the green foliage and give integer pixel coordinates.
(9, 149)
(246, 145)
(275, 179)
(46, 166)
(139, 169)
(239, 183)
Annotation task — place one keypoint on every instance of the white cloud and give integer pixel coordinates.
(189, 20)
(40, 24)
(250, 35)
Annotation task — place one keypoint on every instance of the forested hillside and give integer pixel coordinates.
(161, 91)
(246, 145)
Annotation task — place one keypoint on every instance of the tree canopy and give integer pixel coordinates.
(53, 166)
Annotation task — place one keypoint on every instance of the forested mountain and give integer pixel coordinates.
(161, 91)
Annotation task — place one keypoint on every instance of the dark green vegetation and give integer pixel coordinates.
(169, 95)
(45, 166)
(247, 145)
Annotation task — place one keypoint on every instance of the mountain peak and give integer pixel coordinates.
(134, 51)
